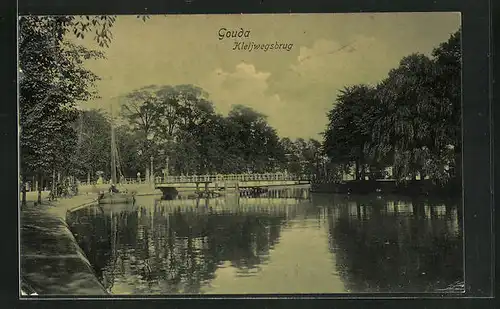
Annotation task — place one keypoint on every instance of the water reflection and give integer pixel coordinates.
(281, 242)
(397, 246)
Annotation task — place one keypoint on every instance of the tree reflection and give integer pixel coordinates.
(92, 236)
(395, 246)
(378, 244)
(165, 249)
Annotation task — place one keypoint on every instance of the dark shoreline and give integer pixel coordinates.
(415, 188)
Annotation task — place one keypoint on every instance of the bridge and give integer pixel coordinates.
(233, 182)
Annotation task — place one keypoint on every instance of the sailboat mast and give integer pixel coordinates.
(113, 159)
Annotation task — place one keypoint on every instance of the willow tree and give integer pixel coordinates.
(411, 120)
(448, 87)
(409, 127)
(421, 124)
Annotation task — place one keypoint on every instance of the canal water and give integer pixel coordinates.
(281, 242)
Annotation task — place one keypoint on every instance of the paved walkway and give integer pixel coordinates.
(52, 263)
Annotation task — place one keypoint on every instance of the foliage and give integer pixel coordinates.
(129, 151)
(301, 156)
(166, 118)
(348, 133)
(97, 25)
(94, 138)
(410, 121)
(257, 143)
(412, 124)
(179, 124)
(93, 152)
(52, 81)
(448, 58)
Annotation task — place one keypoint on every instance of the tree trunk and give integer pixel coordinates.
(39, 199)
(23, 190)
(363, 172)
(53, 189)
(414, 175)
(356, 171)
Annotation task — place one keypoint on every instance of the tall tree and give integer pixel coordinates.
(141, 110)
(257, 143)
(94, 138)
(348, 132)
(411, 120)
(413, 124)
(52, 80)
(312, 157)
(128, 150)
(448, 57)
(169, 118)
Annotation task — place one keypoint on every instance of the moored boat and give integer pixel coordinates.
(116, 198)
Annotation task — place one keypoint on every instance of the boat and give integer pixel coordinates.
(116, 198)
(114, 195)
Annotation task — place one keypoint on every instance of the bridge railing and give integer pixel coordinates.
(211, 178)
(85, 182)
(232, 177)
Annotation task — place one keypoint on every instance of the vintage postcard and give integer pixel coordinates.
(240, 154)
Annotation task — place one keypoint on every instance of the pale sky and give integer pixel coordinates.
(293, 88)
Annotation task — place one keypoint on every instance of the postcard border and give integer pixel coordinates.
(477, 118)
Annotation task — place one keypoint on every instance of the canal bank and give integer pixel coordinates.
(51, 261)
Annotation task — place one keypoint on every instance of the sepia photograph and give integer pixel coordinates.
(240, 154)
